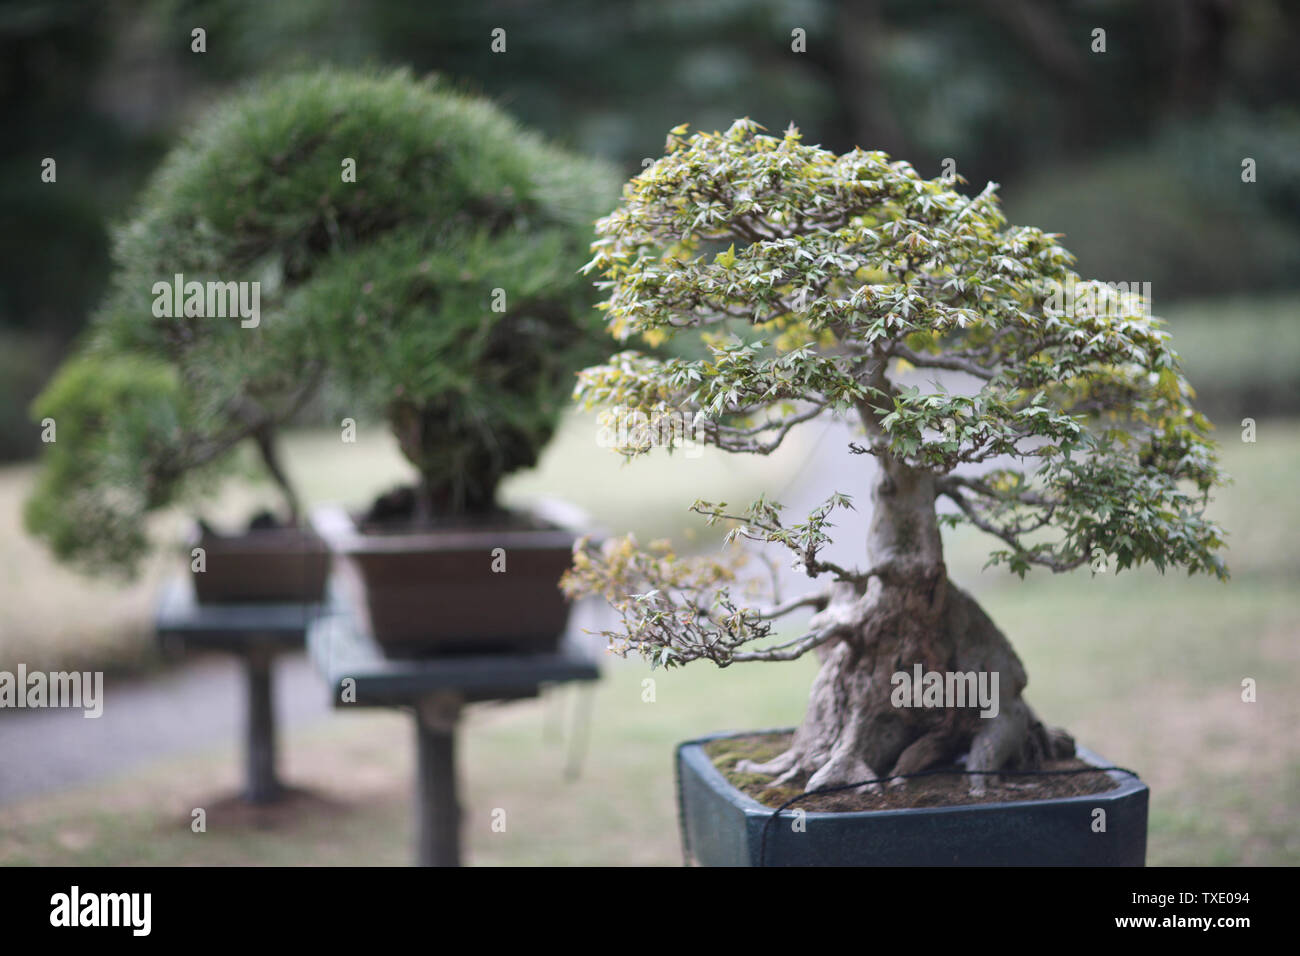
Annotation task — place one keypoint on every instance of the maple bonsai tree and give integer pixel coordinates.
(1063, 429)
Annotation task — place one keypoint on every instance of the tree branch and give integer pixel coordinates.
(948, 482)
(817, 599)
(722, 437)
(951, 362)
(1012, 541)
(791, 650)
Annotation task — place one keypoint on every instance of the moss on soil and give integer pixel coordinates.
(935, 791)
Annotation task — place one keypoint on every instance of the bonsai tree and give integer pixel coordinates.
(450, 302)
(152, 407)
(418, 250)
(135, 433)
(471, 394)
(1062, 428)
(118, 421)
(376, 215)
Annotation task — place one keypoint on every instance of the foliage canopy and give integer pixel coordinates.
(815, 282)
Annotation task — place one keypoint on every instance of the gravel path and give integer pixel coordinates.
(197, 706)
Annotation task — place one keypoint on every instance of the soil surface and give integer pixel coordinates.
(940, 790)
(261, 521)
(232, 810)
(394, 512)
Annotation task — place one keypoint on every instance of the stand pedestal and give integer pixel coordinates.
(437, 689)
(254, 633)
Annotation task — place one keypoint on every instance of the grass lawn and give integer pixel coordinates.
(1241, 353)
(1147, 670)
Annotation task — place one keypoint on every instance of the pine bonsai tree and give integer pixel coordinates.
(377, 215)
(136, 432)
(453, 304)
(1064, 429)
(423, 248)
(127, 441)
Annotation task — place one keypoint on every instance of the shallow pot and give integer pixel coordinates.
(265, 566)
(442, 591)
(723, 826)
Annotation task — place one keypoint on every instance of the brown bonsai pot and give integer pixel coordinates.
(278, 565)
(435, 591)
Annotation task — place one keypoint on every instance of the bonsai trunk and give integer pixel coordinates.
(855, 728)
(456, 476)
(266, 447)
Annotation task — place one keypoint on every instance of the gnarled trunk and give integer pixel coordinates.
(856, 727)
(267, 448)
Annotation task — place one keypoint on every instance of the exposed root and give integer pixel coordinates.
(774, 767)
(786, 778)
(853, 725)
(844, 768)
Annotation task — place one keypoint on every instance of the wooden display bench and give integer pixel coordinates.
(254, 633)
(436, 689)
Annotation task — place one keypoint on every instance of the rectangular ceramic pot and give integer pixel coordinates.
(269, 566)
(723, 826)
(443, 591)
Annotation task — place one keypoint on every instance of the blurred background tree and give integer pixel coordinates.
(1135, 153)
